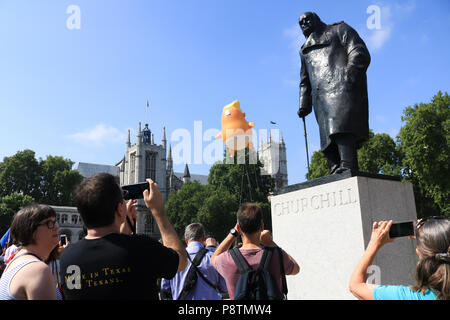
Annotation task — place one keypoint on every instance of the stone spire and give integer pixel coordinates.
(128, 139)
(164, 140)
(169, 159)
(186, 175)
(138, 142)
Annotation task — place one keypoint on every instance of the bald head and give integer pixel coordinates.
(309, 22)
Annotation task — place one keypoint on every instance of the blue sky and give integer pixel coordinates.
(76, 92)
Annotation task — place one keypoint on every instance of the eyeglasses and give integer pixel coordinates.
(422, 221)
(49, 223)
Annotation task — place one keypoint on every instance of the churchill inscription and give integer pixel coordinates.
(316, 201)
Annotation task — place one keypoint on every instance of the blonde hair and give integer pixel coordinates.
(234, 105)
(433, 268)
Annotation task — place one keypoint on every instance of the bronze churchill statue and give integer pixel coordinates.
(334, 60)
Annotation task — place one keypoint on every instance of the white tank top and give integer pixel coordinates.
(7, 276)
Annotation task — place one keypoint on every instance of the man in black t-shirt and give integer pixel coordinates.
(109, 263)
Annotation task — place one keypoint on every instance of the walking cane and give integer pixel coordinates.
(306, 141)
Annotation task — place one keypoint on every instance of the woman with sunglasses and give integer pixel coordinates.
(27, 276)
(432, 269)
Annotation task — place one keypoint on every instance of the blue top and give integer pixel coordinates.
(202, 290)
(401, 293)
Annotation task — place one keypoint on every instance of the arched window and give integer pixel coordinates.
(150, 165)
(132, 167)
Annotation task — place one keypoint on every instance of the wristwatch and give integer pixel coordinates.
(234, 232)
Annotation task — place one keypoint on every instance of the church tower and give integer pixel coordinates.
(273, 156)
(143, 160)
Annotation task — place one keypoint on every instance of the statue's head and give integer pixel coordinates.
(309, 22)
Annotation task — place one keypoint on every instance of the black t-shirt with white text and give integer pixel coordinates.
(116, 266)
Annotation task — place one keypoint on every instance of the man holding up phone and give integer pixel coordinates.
(108, 264)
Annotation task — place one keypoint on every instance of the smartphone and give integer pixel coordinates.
(63, 239)
(402, 229)
(134, 191)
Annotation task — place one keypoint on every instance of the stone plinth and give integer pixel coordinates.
(326, 225)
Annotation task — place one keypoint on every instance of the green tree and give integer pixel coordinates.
(49, 181)
(216, 204)
(58, 180)
(318, 166)
(20, 173)
(183, 206)
(218, 212)
(380, 155)
(242, 178)
(424, 140)
(9, 205)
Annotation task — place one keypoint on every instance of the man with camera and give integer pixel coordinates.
(254, 238)
(109, 263)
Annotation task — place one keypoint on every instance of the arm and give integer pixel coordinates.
(305, 105)
(153, 200)
(358, 55)
(39, 282)
(223, 247)
(266, 240)
(358, 286)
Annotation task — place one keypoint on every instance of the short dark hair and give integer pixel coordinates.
(97, 198)
(27, 220)
(249, 217)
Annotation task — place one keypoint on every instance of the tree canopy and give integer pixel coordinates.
(215, 205)
(24, 180)
(424, 140)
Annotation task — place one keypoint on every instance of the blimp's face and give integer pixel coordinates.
(232, 114)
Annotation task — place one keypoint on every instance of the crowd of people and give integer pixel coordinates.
(111, 262)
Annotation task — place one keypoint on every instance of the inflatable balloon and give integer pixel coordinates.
(236, 131)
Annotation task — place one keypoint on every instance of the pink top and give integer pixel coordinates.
(228, 270)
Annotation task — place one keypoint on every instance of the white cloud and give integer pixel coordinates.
(378, 37)
(99, 135)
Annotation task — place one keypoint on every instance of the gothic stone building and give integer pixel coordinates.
(145, 159)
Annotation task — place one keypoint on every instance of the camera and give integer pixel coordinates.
(134, 191)
(63, 239)
(402, 229)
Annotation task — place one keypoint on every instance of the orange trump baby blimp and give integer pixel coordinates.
(236, 131)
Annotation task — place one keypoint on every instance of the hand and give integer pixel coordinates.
(266, 238)
(302, 112)
(62, 247)
(153, 197)
(131, 209)
(380, 234)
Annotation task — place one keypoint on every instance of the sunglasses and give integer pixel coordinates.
(49, 223)
(422, 221)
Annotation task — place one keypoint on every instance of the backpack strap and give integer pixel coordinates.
(240, 261)
(197, 259)
(199, 256)
(264, 265)
(265, 259)
(283, 273)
